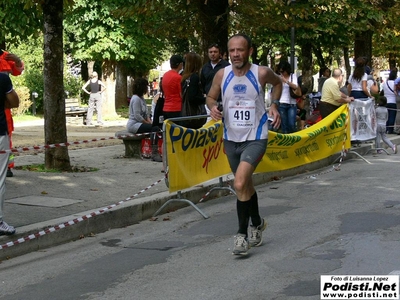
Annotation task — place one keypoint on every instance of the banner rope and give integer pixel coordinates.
(397, 110)
(50, 146)
(82, 218)
(74, 221)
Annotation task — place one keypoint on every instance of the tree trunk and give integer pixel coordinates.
(90, 67)
(272, 60)
(363, 45)
(55, 129)
(346, 62)
(319, 56)
(214, 14)
(108, 103)
(392, 61)
(264, 59)
(306, 70)
(129, 88)
(121, 86)
(254, 55)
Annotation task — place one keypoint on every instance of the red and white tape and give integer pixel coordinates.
(79, 219)
(74, 221)
(22, 149)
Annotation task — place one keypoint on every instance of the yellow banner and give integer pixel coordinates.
(196, 156)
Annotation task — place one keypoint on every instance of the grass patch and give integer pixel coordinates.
(41, 168)
(123, 112)
(26, 118)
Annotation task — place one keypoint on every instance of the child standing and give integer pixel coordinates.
(381, 118)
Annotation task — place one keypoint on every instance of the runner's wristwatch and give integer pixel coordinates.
(275, 102)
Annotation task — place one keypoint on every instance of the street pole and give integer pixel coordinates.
(292, 49)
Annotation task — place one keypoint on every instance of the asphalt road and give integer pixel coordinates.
(339, 222)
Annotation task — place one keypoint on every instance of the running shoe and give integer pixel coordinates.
(255, 239)
(241, 245)
(6, 229)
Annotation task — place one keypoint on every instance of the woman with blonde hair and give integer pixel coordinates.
(191, 88)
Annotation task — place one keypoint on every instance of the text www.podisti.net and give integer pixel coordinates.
(366, 287)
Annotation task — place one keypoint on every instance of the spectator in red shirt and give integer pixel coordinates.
(171, 85)
(154, 86)
(10, 64)
(9, 99)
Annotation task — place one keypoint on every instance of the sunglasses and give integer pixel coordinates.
(213, 45)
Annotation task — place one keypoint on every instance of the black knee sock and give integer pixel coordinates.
(243, 213)
(253, 210)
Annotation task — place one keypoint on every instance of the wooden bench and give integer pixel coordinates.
(132, 142)
(73, 111)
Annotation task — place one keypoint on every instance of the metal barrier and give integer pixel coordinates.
(166, 169)
(361, 111)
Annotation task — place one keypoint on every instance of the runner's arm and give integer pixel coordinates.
(266, 75)
(213, 95)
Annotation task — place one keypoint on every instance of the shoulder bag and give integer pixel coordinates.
(294, 93)
(395, 94)
(158, 117)
(190, 109)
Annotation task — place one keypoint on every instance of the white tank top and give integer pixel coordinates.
(244, 115)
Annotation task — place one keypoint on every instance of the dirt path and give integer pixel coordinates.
(28, 136)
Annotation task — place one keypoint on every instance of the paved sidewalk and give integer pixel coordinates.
(35, 201)
(39, 200)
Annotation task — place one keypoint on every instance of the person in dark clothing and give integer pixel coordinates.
(191, 88)
(324, 74)
(209, 69)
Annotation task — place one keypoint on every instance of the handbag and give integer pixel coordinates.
(293, 92)
(396, 95)
(146, 148)
(158, 117)
(190, 109)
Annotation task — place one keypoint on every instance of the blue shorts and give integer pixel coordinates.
(249, 151)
